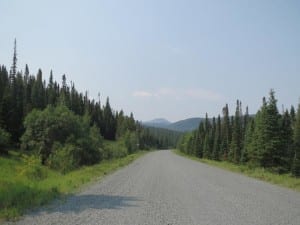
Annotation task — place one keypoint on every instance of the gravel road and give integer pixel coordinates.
(164, 188)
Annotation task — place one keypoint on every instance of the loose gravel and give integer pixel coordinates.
(164, 188)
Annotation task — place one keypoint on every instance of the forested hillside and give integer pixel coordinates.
(61, 125)
(160, 138)
(185, 125)
(269, 139)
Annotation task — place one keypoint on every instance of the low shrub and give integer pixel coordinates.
(4, 140)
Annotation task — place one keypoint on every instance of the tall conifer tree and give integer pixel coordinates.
(296, 160)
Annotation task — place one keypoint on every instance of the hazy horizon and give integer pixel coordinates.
(161, 59)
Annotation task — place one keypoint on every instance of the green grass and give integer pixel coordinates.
(25, 184)
(284, 180)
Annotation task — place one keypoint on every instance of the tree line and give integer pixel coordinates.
(58, 122)
(268, 139)
(159, 138)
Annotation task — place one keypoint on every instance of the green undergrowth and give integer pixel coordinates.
(284, 180)
(25, 184)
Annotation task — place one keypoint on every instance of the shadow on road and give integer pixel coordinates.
(79, 203)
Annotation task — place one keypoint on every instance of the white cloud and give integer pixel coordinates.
(142, 94)
(199, 93)
(203, 94)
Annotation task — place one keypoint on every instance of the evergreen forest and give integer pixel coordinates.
(269, 139)
(63, 127)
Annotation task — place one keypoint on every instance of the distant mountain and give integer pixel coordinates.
(181, 126)
(186, 125)
(160, 123)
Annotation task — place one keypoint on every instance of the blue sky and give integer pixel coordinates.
(161, 58)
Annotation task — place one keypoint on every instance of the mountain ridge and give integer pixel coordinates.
(185, 125)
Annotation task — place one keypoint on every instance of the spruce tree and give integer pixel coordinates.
(266, 142)
(201, 134)
(110, 123)
(217, 140)
(207, 137)
(286, 137)
(246, 118)
(258, 138)
(293, 116)
(212, 136)
(272, 157)
(38, 92)
(225, 130)
(247, 141)
(197, 145)
(296, 137)
(13, 69)
(206, 150)
(235, 147)
(3, 86)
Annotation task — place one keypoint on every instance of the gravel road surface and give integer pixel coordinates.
(164, 188)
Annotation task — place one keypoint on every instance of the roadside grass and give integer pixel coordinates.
(284, 180)
(25, 184)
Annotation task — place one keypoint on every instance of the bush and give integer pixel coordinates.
(114, 150)
(32, 168)
(4, 140)
(131, 142)
(62, 139)
(63, 158)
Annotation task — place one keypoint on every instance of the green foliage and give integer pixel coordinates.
(20, 93)
(217, 141)
(225, 133)
(114, 149)
(183, 143)
(296, 159)
(4, 140)
(32, 168)
(63, 157)
(286, 136)
(110, 126)
(62, 139)
(157, 138)
(236, 140)
(268, 139)
(131, 142)
(22, 187)
(247, 142)
(266, 142)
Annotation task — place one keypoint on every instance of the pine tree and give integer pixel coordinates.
(225, 130)
(293, 116)
(110, 123)
(247, 141)
(217, 140)
(51, 96)
(258, 138)
(212, 136)
(286, 137)
(13, 69)
(206, 150)
(207, 138)
(266, 142)
(190, 145)
(19, 113)
(3, 86)
(26, 74)
(38, 92)
(244, 125)
(235, 148)
(201, 137)
(272, 155)
(296, 137)
(65, 94)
